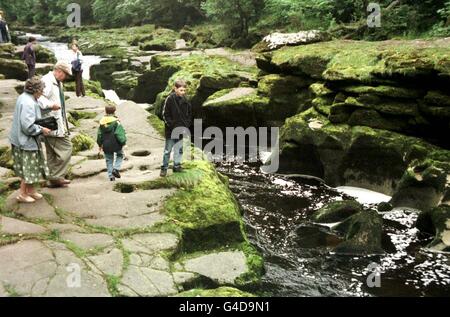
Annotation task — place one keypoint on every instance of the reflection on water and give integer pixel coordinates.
(298, 254)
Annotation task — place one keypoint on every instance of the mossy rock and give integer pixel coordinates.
(82, 142)
(363, 234)
(384, 207)
(386, 105)
(436, 221)
(6, 159)
(91, 87)
(45, 55)
(124, 83)
(337, 211)
(103, 72)
(385, 91)
(7, 50)
(205, 76)
(204, 209)
(163, 40)
(323, 105)
(341, 154)
(228, 292)
(321, 90)
(422, 186)
(237, 107)
(13, 69)
(360, 61)
(75, 116)
(437, 98)
(276, 85)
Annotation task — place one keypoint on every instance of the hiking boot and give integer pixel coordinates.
(116, 174)
(112, 179)
(163, 173)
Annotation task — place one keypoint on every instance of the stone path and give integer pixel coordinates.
(90, 240)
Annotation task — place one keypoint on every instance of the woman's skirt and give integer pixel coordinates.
(29, 165)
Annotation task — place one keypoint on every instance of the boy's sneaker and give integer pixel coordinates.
(112, 179)
(163, 173)
(116, 174)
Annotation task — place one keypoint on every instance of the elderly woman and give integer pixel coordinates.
(29, 161)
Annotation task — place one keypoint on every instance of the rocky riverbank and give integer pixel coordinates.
(354, 113)
(365, 114)
(142, 236)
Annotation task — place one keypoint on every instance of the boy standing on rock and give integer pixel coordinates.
(177, 115)
(111, 139)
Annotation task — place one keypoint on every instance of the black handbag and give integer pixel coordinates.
(48, 122)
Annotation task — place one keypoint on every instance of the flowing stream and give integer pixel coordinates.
(298, 254)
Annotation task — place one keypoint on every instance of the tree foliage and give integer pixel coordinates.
(399, 17)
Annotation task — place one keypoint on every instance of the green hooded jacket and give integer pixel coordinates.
(109, 124)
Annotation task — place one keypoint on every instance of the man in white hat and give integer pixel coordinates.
(58, 144)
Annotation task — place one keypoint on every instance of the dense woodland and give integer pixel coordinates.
(346, 18)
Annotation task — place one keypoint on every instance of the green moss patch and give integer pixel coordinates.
(82, 142)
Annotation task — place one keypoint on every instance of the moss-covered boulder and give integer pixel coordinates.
(103, 72)
(82, 142)
(422, 186)
(13, 69)
(238, 107)
(7, 50)
(91, 87)
(360, 61)
(6, 159)
(436, 221)
(45, 55)
(162, 40)
(345, 155)
(277, 40)
(205, 76)
(363, 234)
(124, 83)
(337, 211)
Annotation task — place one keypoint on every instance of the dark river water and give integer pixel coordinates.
(297, 253)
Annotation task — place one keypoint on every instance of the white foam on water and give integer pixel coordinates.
(63, 53)
(364, 196)
(265, 156)
(111, 95)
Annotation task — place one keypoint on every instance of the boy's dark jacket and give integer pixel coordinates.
(111, 135)
(177, 112)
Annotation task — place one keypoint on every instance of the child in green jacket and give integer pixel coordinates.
(111, 139)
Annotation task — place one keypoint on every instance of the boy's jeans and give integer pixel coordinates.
(114, 165)
(177, 146)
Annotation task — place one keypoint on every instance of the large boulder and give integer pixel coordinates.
(363, 234)
(124, 83)
(277, 40)
(91, 87)
(162, 40)
(103, 72)
(422, 186)
(238, 107)
(356, 156)
(45, 55)
(7, 50)
(13, 69)
(436, 221)
(337, 211)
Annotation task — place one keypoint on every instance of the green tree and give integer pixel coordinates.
(238, 14)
